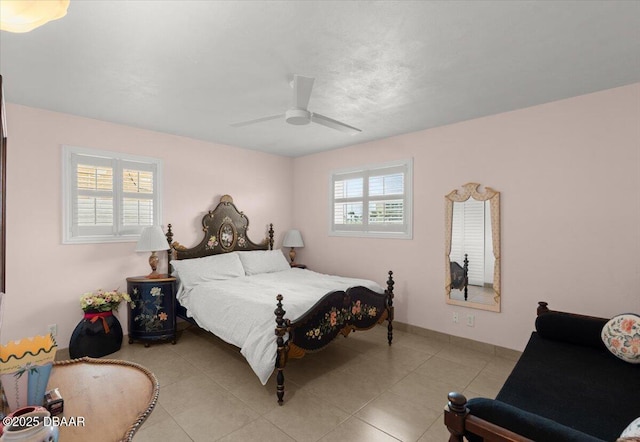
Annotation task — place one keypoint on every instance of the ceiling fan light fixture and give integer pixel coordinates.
(298, 113)
(26, 15)
(298, 117)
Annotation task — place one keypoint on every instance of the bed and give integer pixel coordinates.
(229, 285)
(459, 278)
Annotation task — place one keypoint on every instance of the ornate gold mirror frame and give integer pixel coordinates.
(470, 190)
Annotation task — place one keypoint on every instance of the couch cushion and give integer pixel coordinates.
(526, 424)
(577, 386)
(621, 336)
(574, 329)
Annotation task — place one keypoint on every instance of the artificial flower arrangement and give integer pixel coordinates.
(102, 301)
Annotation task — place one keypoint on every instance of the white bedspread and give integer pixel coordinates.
(240, 310)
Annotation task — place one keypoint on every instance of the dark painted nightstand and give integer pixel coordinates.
(153, 316)
(298, 266)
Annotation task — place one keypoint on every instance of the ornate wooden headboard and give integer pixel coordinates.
(225, 230)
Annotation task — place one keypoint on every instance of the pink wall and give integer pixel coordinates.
(45, 278)
(569, 173)
(569, 177)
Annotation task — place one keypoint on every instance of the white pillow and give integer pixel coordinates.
(633, 430)
(621, 335)
(210, 268)
(263, 261)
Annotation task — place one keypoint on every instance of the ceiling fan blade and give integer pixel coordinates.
(257, 120)
(334, 124)
(302, 87)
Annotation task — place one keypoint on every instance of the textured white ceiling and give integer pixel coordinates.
(192, 68)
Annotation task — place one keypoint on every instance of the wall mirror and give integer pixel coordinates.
(472, 247)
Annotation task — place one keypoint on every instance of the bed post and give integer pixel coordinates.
(270, 236)
(466, 276)
(169, 236)
(281, 353)
(389, 293)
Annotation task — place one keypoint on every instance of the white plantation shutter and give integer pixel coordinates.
(457, 234)
(372, 201)
(92, 207)
(348, 201)
(138, 196)
(467, 236)
(386, 197)
(108, 196)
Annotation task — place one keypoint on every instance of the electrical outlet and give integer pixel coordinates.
(471, 320)
(455, 317)
(53, 330)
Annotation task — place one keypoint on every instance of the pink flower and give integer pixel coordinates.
(615, 343)
(356, 308)
(634, 343)
(333, 318)
(627, 324)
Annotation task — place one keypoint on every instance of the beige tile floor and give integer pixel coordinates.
(357, 389)
(480, 295)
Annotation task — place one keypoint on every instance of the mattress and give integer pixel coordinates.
(240, 310)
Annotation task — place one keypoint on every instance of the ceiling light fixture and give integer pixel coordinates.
(26, 15)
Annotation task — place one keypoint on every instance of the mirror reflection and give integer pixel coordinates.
(472, 267)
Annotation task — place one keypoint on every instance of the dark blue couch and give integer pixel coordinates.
(566, 386)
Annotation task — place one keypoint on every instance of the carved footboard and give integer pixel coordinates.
(338, 312)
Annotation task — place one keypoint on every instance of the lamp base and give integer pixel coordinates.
(153, 262)
(155, 275)
(292, 255)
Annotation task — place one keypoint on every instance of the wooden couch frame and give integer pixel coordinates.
(458, 419)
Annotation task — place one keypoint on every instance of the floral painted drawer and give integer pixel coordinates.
(152, 316)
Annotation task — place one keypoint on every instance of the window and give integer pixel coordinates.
(372, 201)
(108, 196)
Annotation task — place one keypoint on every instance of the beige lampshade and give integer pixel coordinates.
(293, 238)
(26, 15)
(152, 239)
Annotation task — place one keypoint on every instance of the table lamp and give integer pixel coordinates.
(152, 240)
(292, 239)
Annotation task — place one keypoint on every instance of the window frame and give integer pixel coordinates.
(118, 232)
(365, 230)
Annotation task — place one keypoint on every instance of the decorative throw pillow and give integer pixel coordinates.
(633, 430)
(621, 336)
(263, 261)
(210, 268)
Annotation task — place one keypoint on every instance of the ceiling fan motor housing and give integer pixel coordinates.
(298, 116)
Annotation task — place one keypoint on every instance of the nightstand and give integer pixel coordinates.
(153, 316)
(298, 266)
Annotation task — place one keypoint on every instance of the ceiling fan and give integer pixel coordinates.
(298, 114)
